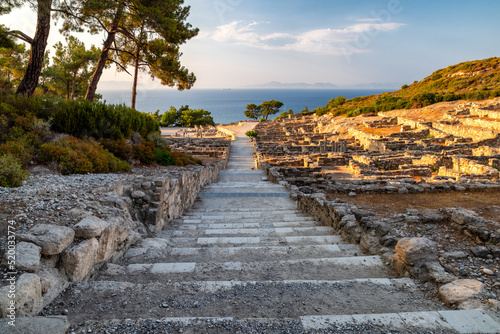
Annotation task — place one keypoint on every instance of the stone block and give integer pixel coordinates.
(52, 239)
(89, 227)
(137, 194)
(460, 291)
(27, 256)
(464, 217)
(36, 325)
(107, 241)
(28, 297)
(79, 259)
(415, 250)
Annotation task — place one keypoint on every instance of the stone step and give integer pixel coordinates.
(471, 321)
(286, 216)
(257, 220)
(309, 269)
(245, 198)
(243, 254)
(251, 232)
(460, 321)
(235, 210)
(101, 300)
(250, 241)
(175, 225)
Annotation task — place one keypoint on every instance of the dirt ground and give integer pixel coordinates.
(387, 205)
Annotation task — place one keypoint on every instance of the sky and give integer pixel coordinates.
(350, 43)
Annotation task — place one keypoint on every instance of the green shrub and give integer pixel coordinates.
(252, 134)
(119, 148)
(23, 153)
(99, 120)
(158, 140)
(182, 159)
(163, 157)
(11, 172)
(77, 156)
(144, 152)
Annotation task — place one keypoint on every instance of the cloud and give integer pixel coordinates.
(356, 38)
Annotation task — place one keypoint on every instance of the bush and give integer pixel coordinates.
(76, 156)
(22, 152)
(119, 148)
(158, 140)
(144, 152)
(99, 120)
(163, 157)
(252, 134)
(11, 172)
(182, 159)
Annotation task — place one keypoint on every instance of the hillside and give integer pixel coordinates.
(474, 80)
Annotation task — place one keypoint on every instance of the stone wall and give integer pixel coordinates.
(483, 123)
(159, 200)
(467, 166)
(367, 141)
(50, 256)
(491, 112)
(466, 131)
(226, 132)
(485, 151)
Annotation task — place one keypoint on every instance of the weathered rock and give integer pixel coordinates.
(28, 297)
(107, 241)
(79, 259)
(137, 194)
(414, 250)
(455, 255)
(36, 325)
(463, 217)
(480, 251)
(436, 273)
(89, 227)
(45, 283)
(52, 239)
(460, 291)
(412, 254)
(403, 190)
(27, 256)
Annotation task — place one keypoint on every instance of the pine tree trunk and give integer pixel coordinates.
(73, 86)
(37, 53)
(104, 55)
(136, 74)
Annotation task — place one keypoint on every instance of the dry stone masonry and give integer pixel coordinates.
(451, 148)
(52, 256)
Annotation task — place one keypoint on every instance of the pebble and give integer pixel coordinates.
(488, 272)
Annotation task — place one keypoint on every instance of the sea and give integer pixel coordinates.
(228, 105)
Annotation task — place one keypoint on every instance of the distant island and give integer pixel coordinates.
(300, 85)
(323, 85)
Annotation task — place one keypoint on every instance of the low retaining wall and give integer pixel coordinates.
(227, 132)
(50, 256)
(476, 134)
(414, 257)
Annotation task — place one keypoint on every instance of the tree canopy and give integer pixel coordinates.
(267, 108)
(72, 67)
(144, 33)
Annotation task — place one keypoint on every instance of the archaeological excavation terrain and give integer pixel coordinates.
(349, 226)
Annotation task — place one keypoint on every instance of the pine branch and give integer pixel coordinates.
(21, 35)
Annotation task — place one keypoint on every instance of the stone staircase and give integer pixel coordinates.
(244, 260)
